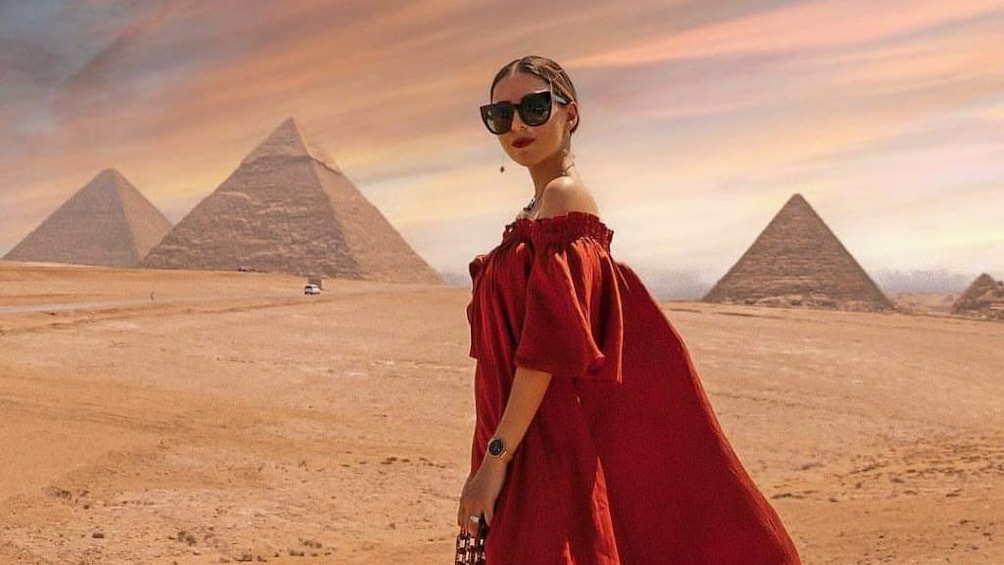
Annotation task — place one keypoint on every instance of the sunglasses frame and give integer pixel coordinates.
(512, 109)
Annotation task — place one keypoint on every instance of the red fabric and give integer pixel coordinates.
(624, 462)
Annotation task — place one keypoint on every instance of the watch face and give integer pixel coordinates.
(496, 448)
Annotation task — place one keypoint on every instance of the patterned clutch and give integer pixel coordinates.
(471, 547)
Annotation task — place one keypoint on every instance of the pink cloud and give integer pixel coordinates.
(802, 26)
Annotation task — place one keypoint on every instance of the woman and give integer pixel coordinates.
(594, 443)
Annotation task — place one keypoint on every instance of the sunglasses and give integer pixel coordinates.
(534, 109)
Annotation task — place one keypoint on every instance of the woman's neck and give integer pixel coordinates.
(550, 169)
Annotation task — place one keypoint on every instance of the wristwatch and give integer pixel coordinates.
(497, 449)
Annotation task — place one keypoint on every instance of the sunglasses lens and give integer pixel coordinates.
(535, 109)
(497, 117)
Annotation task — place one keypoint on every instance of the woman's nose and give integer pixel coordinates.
(517, 122)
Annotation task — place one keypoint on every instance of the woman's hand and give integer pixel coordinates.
(482, 489)
(480, 493)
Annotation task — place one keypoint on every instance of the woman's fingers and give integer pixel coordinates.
(462, 506)
(474, 523)
(478, 497)
(472, 513)
(471, 520)
(467, 513)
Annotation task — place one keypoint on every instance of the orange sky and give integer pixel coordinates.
(699, 118)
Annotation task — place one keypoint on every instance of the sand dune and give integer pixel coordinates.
(228, 418)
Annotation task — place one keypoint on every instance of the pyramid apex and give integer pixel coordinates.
(796, 205)
(107, 179)
(287, 140)
(291, 127)
(797, 198)
(109, 173)
(982, 281)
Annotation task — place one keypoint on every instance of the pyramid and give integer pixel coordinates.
(983, 299)
(288, 208)
(798, 262)
(107, 222)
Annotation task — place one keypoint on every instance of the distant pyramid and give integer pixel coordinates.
(983, 299)
(288, 208)
(107, 222)
(798, 261)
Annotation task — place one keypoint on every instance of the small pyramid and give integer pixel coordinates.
(288, 208)
(983, 299)
(107, 222)
(798, 262)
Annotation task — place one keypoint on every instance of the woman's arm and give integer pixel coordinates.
(562, 195)
(528, 389)
(482, 489)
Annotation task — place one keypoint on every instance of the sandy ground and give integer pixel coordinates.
(228, 418)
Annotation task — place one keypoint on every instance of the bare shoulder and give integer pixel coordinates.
(566, 194)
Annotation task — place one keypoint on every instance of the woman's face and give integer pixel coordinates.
(530, 145)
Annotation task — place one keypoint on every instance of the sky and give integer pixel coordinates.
(699, 118)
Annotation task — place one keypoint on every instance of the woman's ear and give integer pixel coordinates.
(573, 116)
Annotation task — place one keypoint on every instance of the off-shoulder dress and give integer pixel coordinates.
(624, 461)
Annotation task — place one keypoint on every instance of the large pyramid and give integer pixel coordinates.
(107, 222)
(287, 208)
(798, 261)
(983, 299)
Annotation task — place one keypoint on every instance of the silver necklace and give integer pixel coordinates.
(533, 201)
(529, 207)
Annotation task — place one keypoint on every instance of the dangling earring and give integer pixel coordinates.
(567, 161)
(502, 166)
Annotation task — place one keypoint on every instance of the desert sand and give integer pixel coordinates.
(217, 417)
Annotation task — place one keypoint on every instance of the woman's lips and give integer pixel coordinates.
(522, 142)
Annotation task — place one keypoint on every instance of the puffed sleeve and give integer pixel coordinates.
(573, 324)
(475, 267)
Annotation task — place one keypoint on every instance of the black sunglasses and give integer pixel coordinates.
(534, 109)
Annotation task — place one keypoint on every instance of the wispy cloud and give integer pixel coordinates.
(699, 118)
(802, 26)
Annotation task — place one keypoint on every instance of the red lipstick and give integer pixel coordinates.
(522, 142)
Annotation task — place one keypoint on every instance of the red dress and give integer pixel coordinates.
(624, 462)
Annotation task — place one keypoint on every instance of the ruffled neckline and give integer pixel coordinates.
(559, 229)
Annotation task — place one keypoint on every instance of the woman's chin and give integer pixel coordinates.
(527, 159)
(521, 160)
